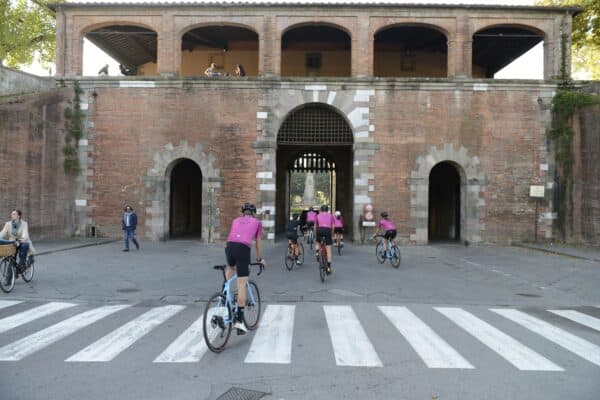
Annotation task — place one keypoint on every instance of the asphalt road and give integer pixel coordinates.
(453, 322)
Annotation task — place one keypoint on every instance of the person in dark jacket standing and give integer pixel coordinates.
(129, 223)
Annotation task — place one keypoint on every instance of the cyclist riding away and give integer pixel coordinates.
(311, 217)
(389, 229)
(292, 234)
(244, 230)
(324, 229)
(338, 229)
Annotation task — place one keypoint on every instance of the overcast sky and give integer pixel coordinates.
(528, 66)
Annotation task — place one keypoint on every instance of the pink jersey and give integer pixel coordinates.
(338, 222)
(244, 230)
(387, 225)
(311, 216)
(325, 220)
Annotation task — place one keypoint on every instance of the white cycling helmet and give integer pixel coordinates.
(337, 213)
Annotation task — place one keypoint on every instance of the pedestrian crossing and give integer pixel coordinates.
(355, 334)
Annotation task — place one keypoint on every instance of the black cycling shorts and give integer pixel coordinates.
(338, 230)
(391, 234)
(293, 236)
(310, 224)
(238, 255)
(324, 233)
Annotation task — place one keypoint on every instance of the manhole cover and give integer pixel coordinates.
(528, 295)
(128, 290)
(241, 394)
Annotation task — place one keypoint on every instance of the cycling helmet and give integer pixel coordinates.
(249, 207)
(324, 207)
(384, 214)
(337, 213)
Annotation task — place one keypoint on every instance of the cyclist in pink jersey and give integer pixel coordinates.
(324, 229)
(388, 227)
(311, 217)
(338, 229)
(244, 230)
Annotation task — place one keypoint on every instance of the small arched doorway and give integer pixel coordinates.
(185, 211)
(444, 203)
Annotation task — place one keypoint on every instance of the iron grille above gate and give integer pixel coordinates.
(311, 162)
(315, 124)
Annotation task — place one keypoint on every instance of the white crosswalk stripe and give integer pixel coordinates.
(432, 349)
(510, 349)
(24, 317)
(574, 344)
(579, 317)
(8, 303)
(187, 348)
(111, 345)
(273, 340)
(37, 341)
(351, 345)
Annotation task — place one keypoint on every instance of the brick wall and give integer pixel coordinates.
(31, 176)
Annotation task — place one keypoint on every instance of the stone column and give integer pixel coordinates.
(266, 152)
(362, 49)
(60, 42)
(270, 49)
(363, 160)
(168, 48)
(460, 44)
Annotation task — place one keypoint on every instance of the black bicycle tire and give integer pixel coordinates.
(289, 260)
(255, 324)
(322, 265)
(6, 263)
(377, 246)
(395, 255)
(339, 247)
(30, 267)
(212, 348)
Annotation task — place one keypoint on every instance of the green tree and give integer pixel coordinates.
(586, 35)
(27, 28)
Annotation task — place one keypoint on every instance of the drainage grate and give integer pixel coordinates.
(128, 290)
(241, 394)
(528, 295)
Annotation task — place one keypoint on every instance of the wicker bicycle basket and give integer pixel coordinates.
(7, 250)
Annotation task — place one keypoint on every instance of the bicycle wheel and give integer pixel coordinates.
(300, 253)
(339, 247)
(289, 258)
(311, 239)
(216, 323)
(7, 275)
(27, 274)
(252, 311)
(322, 266)
(395, 256)
(380, 252)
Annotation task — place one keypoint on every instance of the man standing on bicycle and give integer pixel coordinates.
(291, 233)
(244, 230)
(324, 229)
(389, 229)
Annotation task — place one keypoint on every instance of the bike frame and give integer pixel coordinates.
(229, 301)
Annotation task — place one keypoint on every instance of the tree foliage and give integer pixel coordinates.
(27, 28)
(586, 35)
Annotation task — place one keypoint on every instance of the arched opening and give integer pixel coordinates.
(185, 211)
(119, 50)
(316, 50)
(410, 51)
(444, 202)
(314, 163)
(225, 46)
(508, 52)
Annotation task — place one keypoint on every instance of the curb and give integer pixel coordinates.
(557, 252)
(77, 246)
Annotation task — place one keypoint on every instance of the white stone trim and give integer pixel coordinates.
(137, 84)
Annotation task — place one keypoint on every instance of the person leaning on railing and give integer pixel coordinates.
(16, 231)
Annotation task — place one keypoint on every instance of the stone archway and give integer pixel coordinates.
(472, 185)
(157, 186)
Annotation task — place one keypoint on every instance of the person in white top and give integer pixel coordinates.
(17, 231)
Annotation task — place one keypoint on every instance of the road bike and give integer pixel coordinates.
(309, 238)
(291, 259)
(10, 270)
(340, 245)
(222, 307)
(392, 254)
(322, 258)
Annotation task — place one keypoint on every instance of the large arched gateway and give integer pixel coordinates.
(314, 162)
